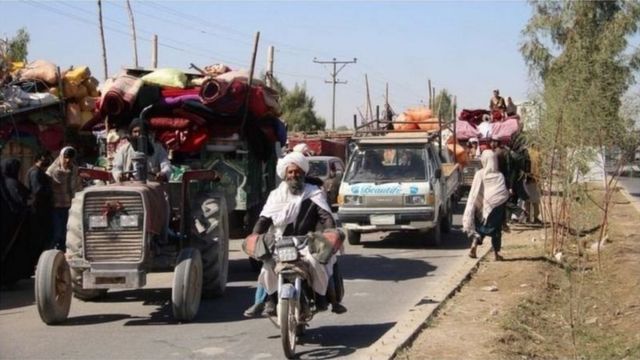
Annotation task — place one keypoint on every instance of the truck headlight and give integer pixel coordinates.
(415, 200)
(129, 220)
(353, 200)
(98, 221)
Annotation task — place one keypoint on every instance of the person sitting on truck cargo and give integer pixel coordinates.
(157, 159)
(295, 207)
(497, 102)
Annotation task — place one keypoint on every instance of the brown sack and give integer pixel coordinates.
(81, 92)
(77, 75)
(86, 116)
(88, 104)
(74, 115)
(418, 114)
(41, 70)
(70, 90)
(431, 124)
(91, 84)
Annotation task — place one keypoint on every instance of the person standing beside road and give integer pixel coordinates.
(41, 189)
(484, 213)
(532, 206)
(65, 181)
(157, 158)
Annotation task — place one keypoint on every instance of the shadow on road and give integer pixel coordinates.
(454, 240)
(94, 319)
(21, 294)
(387, 269)
(339, 341)
(226, 308)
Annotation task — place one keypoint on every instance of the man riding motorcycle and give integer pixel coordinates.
(295, 207)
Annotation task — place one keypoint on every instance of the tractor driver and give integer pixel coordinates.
(157, 159)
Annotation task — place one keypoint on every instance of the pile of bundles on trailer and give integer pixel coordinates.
(419, 118)
(31, 101)
(187, 111)
(484, 125)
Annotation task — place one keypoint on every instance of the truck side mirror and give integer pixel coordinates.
(438, 174)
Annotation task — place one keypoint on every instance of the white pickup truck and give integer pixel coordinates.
(397, 182)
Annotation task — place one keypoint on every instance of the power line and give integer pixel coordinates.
(334, 82)
(163, 44)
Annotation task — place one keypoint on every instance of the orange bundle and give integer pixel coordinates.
(401, 124)
(460, 153)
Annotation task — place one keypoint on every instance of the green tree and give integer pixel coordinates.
(579, 50)
(443, 104)
(16, 48)
(298, 111)
(297, 107)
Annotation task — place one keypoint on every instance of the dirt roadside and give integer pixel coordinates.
(528, 307)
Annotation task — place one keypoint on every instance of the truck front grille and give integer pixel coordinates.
(113, 244)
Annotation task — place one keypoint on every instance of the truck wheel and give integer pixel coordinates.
(353, 237)
(437, 232)
(84, 294)
(74, 228)
(53, 287)
(187, 285)
(213, 243)
(447, 219)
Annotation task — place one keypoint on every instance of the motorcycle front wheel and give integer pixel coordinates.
(288, 325)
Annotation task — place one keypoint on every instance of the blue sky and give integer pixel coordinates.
(468, 47)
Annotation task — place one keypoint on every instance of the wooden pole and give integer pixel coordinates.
(369, 109)
(133, 34)
(104, 47)
(430, 99)
(250, 83)
(154, 52)
(269, 78)
(455, 138)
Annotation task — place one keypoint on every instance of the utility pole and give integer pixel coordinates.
(133, 34)
(154, 52)
(269, 74)
(368, 110)
(104, 48)
(335, 81)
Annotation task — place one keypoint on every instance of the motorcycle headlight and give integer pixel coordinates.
(353, 200)
(415, 200)
(98, 221)
(287, 253)
(129, 220)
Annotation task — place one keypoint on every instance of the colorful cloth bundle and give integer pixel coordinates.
(119, 95)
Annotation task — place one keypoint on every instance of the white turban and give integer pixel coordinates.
(302, 148)
(292, 158)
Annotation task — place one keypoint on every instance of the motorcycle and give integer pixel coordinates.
(297, 302)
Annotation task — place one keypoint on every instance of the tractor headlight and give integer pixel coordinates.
(98, 221)
(129, 220)
(353, 200)
(415, 200)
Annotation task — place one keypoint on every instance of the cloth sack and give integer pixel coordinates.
(166, 77)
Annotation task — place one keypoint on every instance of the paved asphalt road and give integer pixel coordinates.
(384, 278)
(632, 185)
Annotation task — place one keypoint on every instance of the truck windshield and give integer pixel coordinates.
(390, 163)
(317, 168)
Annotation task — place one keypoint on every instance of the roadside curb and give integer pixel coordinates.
(404, 332)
